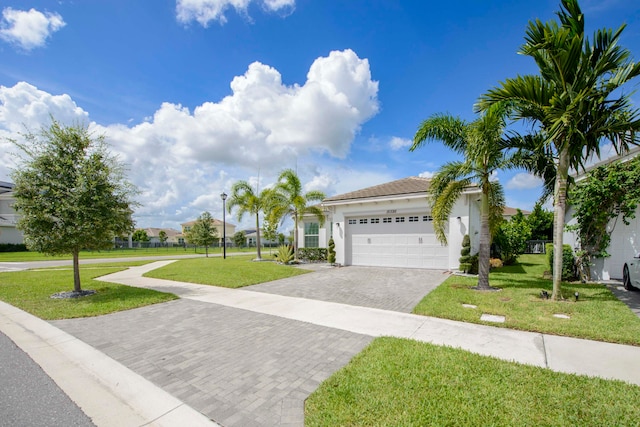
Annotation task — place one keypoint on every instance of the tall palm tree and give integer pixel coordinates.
(480, 144)
(575, 102)
(249, 201)
(287, 199)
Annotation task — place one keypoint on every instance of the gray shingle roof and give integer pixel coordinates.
(410, 185)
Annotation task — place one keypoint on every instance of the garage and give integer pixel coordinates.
(403, 240)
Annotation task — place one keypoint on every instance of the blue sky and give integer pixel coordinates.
(194, 95)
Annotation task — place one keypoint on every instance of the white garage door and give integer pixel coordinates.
(395, 241)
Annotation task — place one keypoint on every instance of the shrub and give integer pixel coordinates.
(13, 247)
(284, 254)
(312, 254)
(495, 263)
(568, 261)
(465, 259)
(331, 252)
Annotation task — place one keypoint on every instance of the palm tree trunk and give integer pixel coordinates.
(485, 243)
(295, 236)
(560, 204)
(258, 236)
(76, 272)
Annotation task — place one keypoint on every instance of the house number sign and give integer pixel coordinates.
(390, 211)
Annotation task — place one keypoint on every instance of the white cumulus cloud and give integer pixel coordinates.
(524, 181)
(28, 29)
(205, 11)
(426, 174)
(398, 143)
(182, 159)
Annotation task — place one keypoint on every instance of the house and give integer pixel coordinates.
(229, 230)
(173, 236)
(625, 239)
(8, 217)
(391, 225)
(508, 212)
(251, 238)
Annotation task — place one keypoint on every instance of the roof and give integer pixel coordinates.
(410, 185)
(153, 232)
(507, 211)
(215, 223)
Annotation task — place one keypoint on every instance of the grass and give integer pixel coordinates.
(31, 291)
(597, 314)
(398, 382)
(116, 253)
(233, 272)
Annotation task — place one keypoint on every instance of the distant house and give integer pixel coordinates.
(230, 230)
(251, 238)
(173, 236)
(8, 216)
(508, 212)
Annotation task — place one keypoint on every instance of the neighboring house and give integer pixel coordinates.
(251, 238)
(390, 225)
(508, 212)
(8, 217)
(173, 235)
(625, 239)
(230, 230)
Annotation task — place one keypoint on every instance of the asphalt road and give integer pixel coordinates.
(28, 397)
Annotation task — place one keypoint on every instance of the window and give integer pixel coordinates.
(363, 220)
(386, 220)
(311, 231)
(375, 220)
(352, 221)
(427, 218)
(413, 219)
(399, 219)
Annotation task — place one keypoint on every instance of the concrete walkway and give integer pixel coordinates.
(250, 358)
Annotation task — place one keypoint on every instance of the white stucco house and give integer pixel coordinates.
(8, 217)
(390, 225)
(625, 239)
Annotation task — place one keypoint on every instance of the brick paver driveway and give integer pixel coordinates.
(395, 289)
(242, 368)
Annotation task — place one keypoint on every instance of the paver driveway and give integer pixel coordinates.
(242, 368)
(395, 289)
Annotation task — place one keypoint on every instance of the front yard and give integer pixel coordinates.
(597, 314)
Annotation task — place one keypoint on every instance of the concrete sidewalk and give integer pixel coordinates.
(563, 354)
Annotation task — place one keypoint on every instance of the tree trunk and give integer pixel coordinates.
(76, 272)
(206, 251)
(485, 244)
(560, 203)
(258, 236)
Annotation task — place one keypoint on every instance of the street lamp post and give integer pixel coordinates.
(224, 227)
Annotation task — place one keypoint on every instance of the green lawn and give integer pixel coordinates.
(30, 290)
(233, 272)
(118, 253)
(397, 382)
(597, 314)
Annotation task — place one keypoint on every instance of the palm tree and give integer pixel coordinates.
(575, 103)
(287, 199)
(245, 198)
(480, 144)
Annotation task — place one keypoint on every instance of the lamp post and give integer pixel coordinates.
(224, 227)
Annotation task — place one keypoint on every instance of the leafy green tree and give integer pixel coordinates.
(202, 232)
(71, 193)
(288, 199)
(576, 101)
(480, 144)
(239, 239)
(270, 231)
(162, 236)
(540, 222)
(248, 201)
(511, 238)
(140, 235)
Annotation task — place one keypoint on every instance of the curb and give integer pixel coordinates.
(106, 391)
